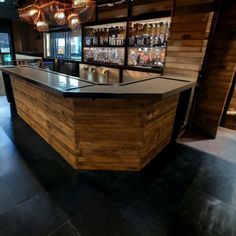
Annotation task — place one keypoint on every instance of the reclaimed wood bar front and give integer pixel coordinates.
(92, 126)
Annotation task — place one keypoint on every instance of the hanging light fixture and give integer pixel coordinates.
(87, 11)
(60, 17)
(79, 3)
(29, 14)
(41, 24)
(73, 21)
(44, 13)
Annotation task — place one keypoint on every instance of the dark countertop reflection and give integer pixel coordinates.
(69, 86)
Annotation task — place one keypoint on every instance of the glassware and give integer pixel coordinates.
(105, 55)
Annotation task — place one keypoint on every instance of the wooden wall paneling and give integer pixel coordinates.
(192, 2)
(156, 133)
(190, 26)
(107, 134)
(140, 7)
(229, 115)
(124, 135)
(49, 115)
(215, 85)
(187, 42)
(232, 105)
(112, 12)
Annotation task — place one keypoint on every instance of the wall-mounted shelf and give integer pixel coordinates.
(99, 35)
(147, 47)
(86, 46)
(137, 43)
(112, 55)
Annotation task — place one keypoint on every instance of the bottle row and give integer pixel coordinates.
(150, 35)
(107, 55)
(113, 36)
(154, 34)
(152, 57)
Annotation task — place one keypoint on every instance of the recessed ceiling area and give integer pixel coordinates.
(8, 9)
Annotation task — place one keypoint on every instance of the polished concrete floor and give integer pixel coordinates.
(183, 192)
(2, 90)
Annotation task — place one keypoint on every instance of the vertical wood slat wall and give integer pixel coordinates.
(230, 120)
(232, 105)
(216, 83)
(188, 38)
(140, 7)
(94, 134)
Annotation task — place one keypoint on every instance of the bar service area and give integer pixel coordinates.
(110, 84)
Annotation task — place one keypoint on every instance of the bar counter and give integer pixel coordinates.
(98, 126)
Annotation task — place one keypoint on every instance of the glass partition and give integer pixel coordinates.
(105, 55)
(148, 42)
(64, 45)
(5, 49)
(76, 46)
(60, 45)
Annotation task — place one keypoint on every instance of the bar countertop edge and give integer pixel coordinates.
(156, 88)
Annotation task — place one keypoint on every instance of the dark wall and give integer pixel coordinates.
(26, 38)
(6, 27)
(8, 9)
(218, 75)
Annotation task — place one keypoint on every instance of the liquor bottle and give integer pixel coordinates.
(91, 38)
(116, 36)
(136, 34)
(132, 35)
(106, 35)
(166, 33)
(155, 40)
(152, 33)
(145, 36)
(149, 32)
(94, 37)
(162, 34)
(103, 37)
(123, 36)
(87, 38)
(120, 35)
(158, 42)
(111, 36)
(140, 41)
(98, 34)
(101, 34)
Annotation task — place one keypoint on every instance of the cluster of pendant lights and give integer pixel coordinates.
(44, 13)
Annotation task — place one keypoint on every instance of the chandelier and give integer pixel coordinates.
(44, 14)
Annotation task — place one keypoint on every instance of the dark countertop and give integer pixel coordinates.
(52, 81)
(69, 86)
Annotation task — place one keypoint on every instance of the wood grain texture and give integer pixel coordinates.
(188, 38)
(214, 87)
(230, 121)
(232, 106)
(98, 134)
(140, 7)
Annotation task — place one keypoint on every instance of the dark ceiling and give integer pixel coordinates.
(8, 9)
